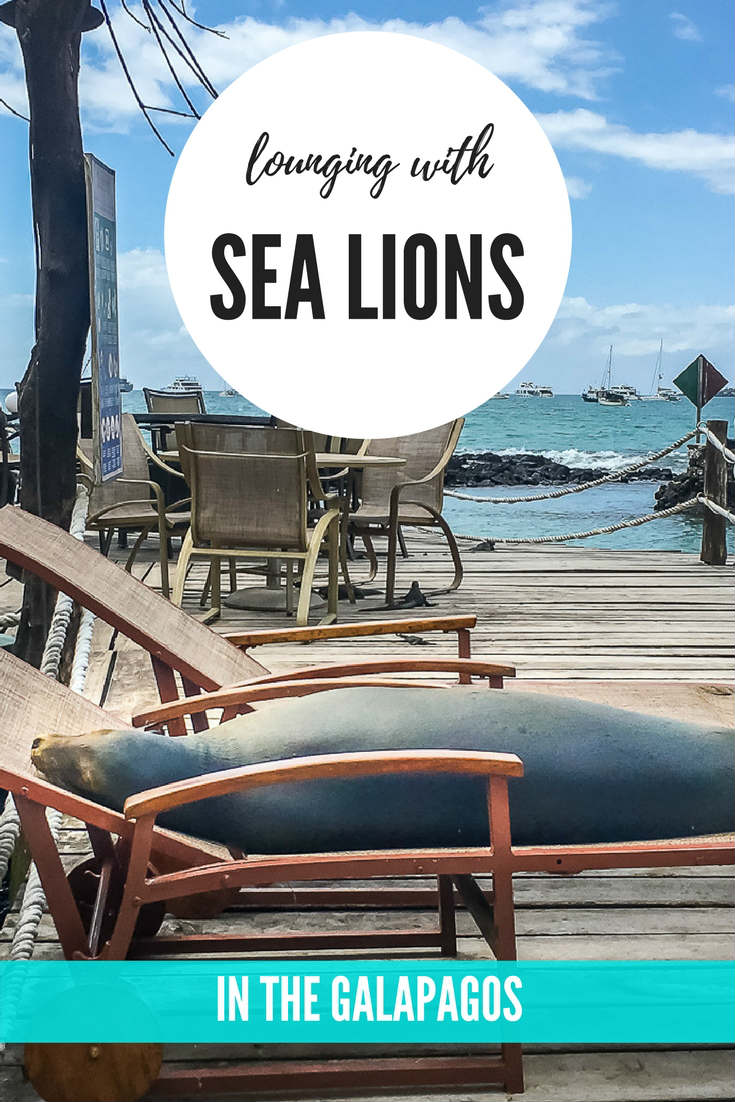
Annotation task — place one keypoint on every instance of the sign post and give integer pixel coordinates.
(699, 382)
(106, 399)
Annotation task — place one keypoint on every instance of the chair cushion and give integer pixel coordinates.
(592, 773)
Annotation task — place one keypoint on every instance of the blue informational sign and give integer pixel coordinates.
(106, 400)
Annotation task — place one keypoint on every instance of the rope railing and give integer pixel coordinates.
(614, 476)
(703, 428)
(602, 530)
(34, 901)
(715, 508)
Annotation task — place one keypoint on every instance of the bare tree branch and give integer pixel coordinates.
(155, 24)
(172, 111)
(181, 9)
(203, 78)
(134, 17)
(130, 81)
(18, 115)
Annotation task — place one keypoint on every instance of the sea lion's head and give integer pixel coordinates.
(70, 761)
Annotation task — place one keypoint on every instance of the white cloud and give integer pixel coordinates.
(155, 346)
(577, 187)
(682, 27)
(635, 329)
(707, 156)
(727, 91)
(541, 44)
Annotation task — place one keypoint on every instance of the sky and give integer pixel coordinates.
(636, 98)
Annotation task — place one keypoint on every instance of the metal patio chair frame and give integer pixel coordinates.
(411, 496)
(261, 513)
(168, 401)
(111, 507)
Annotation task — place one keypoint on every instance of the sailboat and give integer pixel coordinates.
(661, 393)
(607, 396)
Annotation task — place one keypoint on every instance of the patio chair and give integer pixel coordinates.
(112, 905)
(170, 401)
(392, 499)
(207, 437)
(255, 506)
(113, 505)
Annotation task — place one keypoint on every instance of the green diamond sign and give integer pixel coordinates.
(700, 381)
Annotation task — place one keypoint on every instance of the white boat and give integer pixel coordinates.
(532, 390)
(607, 394)
(661, 393)
(628, 392)
(591, 394)
(185, 383)
(501, 394)
(668, 394)
(228, 392)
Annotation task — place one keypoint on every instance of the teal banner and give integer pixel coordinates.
(652, 1002)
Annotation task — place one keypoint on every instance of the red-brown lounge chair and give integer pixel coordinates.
(138, 869)
(180, 645)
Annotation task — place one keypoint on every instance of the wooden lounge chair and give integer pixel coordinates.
(412, 495)
(138, 869)
(115, 505)
(135, 881)
(181, 646)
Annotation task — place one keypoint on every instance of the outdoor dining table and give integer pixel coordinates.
(271, 597)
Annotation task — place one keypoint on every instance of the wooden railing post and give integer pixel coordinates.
(714, 543)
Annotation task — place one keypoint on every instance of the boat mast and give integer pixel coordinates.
(607, 371)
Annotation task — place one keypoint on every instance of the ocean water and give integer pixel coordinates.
(580, 434)
(570, 431)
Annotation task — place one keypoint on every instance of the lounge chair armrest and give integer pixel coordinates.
(236, 696)
(476, 667)
(261, 636)
(371, 763)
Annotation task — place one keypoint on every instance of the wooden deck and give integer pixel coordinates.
(650, 631)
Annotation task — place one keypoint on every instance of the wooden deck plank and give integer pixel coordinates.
(629, 1076)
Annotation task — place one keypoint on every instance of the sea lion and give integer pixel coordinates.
(592, 773)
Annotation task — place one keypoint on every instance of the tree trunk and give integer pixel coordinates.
(49, 32)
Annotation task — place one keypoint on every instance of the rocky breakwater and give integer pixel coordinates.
(524, 469)
(687, 484)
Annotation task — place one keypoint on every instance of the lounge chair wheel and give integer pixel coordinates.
(92, 1073)
(84, 881)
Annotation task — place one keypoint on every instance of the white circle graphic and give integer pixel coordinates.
(368, 234)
